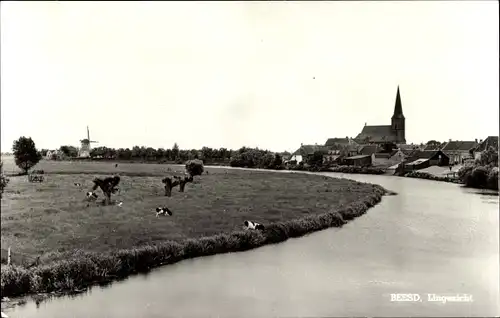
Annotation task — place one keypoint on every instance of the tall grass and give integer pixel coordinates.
(84, 269)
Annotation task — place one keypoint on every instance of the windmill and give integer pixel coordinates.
(85, 145)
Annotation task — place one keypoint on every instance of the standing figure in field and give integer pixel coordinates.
(107, 185)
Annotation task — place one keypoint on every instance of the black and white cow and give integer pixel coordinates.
(163, 211)
(91, 195)
(249, 225)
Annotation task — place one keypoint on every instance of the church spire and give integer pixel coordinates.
(398, 108)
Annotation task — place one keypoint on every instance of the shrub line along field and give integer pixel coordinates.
(79, 243)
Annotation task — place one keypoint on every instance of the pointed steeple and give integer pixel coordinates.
(398, 108)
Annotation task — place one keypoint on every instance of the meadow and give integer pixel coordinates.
(78, 242)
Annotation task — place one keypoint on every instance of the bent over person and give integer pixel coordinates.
(108, 186)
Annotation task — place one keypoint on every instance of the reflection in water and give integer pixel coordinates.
(433, 237)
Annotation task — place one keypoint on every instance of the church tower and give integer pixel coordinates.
(398, 121)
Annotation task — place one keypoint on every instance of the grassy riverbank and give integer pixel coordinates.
(79, 245)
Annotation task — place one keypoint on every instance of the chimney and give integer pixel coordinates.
(476, 140)
(449, 140)
(365, 124)
(301, 144)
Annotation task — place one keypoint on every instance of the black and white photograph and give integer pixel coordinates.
(249, 159)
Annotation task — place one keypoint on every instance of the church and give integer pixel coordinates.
(394, 133)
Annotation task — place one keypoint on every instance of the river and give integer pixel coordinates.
(432, 238)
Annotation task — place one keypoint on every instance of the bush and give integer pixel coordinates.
(3, 180)
(488, 158)
(477, 176)
(195, 167)
(465, 172)
(493, 180)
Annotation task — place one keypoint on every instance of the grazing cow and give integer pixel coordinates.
(108, 186)
(163, 211)
(249, 225)
(91, 195)
(77, 184)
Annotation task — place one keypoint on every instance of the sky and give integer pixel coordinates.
(271, 75)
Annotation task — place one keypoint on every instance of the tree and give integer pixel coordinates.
(278, 161)
(483, 173)
(195, 167)
(136, 152)
(433, 144)
(175, 152)
(69, 151)
(388, 147)
(183, 156)
(3, 180)
(160, 153)
(150, 153)
(168, 154)
(207, 153)
(488, 157)
(316, 160)
(25, 153)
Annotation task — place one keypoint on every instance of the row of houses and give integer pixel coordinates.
(349, 152)
(461, 151)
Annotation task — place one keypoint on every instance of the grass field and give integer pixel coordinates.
(52, 219)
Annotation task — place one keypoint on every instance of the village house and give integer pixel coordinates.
(54, 155)
(383, 155)
(395, 155)
(491, 141)
(285, 156)
(421, 159)
(368, 150)
(433, 146)
(459, 151)
(395, 132)
(340, 147)
(306, 151)
(359, 160)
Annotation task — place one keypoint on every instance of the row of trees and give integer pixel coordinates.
(26, 155)
(151, 154)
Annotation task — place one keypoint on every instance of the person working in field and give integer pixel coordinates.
(107, 185)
